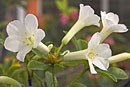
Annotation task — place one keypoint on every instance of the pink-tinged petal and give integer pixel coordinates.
(92, 70)
(40, 34)
(95, 40)
(31, 23)
(13, 44)
(15, 28)
(118, 28)
(22, 53)
(101, 63)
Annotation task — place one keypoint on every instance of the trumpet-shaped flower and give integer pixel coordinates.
(110, 24)
(95, 54)
(86, 18)
(23, 37)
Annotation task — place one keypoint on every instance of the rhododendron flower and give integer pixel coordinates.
(95, 54)
(64, 19)
(110, 24)
(25, 36)
(86, 18)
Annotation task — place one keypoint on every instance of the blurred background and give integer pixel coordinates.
(56, 16)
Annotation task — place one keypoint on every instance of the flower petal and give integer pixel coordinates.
(113, 17)
(12, 44)
(103, 50)
(92, 67)
(40, 34)
(95, 40)
(31, 23)
(22, 53)
(85, 11)
(118, 28)
(15, 28)
(101, 63)
(92, 20)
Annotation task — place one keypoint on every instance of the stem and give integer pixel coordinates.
(79, 76)
(53, 75)
(59, 49)
(29, 78)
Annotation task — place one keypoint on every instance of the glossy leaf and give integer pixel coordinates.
(77, 85)
(36, 65)
(38, 80)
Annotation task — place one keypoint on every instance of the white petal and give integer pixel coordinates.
(31, 23)
(101, 63)
(103, 50)
(118, 28)
(103, 15)
(15, 28)
(92, 20)
(12, 44)
(22, 53)
(40, 34)
(92, 70)
(85, 11)
(95, 40)
(113, 17)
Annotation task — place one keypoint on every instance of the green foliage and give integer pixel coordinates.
(71, 63)
(77, 85)
(114, 73)
(62, 5)
(11, 70)
(38, 80)
(2, 39)
(49, 79)
(36, 65)
(59, 66)
(39, 54)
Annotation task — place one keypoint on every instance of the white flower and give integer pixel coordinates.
(110, 24)
(95, 54)
(23, 37)
(86, 18)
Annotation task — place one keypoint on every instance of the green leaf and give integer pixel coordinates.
(38, 53)
(8, 64)
(23, 77)
(38, 80)
(62, 5)
(83, 44)
(114, 73)
(2, 72)
(36, 65)
(59, 66)
(118, 73)
(77, 85)
(72, 63)
(11, 70)
(107, 74)
(10, 81)
(49, 79)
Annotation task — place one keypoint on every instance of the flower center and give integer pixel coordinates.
(29, 40)
(91, 55)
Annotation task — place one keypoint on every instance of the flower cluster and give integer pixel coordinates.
(22, 37)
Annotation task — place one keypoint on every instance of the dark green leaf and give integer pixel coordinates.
(49, 79)
(118, 73)
(107, 74)
(77, 85)
(2, 72)
(38, 53)
(36, 65)
(59, 66)
(83, 44)
(8, 64)
(38, 80)
(11, 70)
(72, 63)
